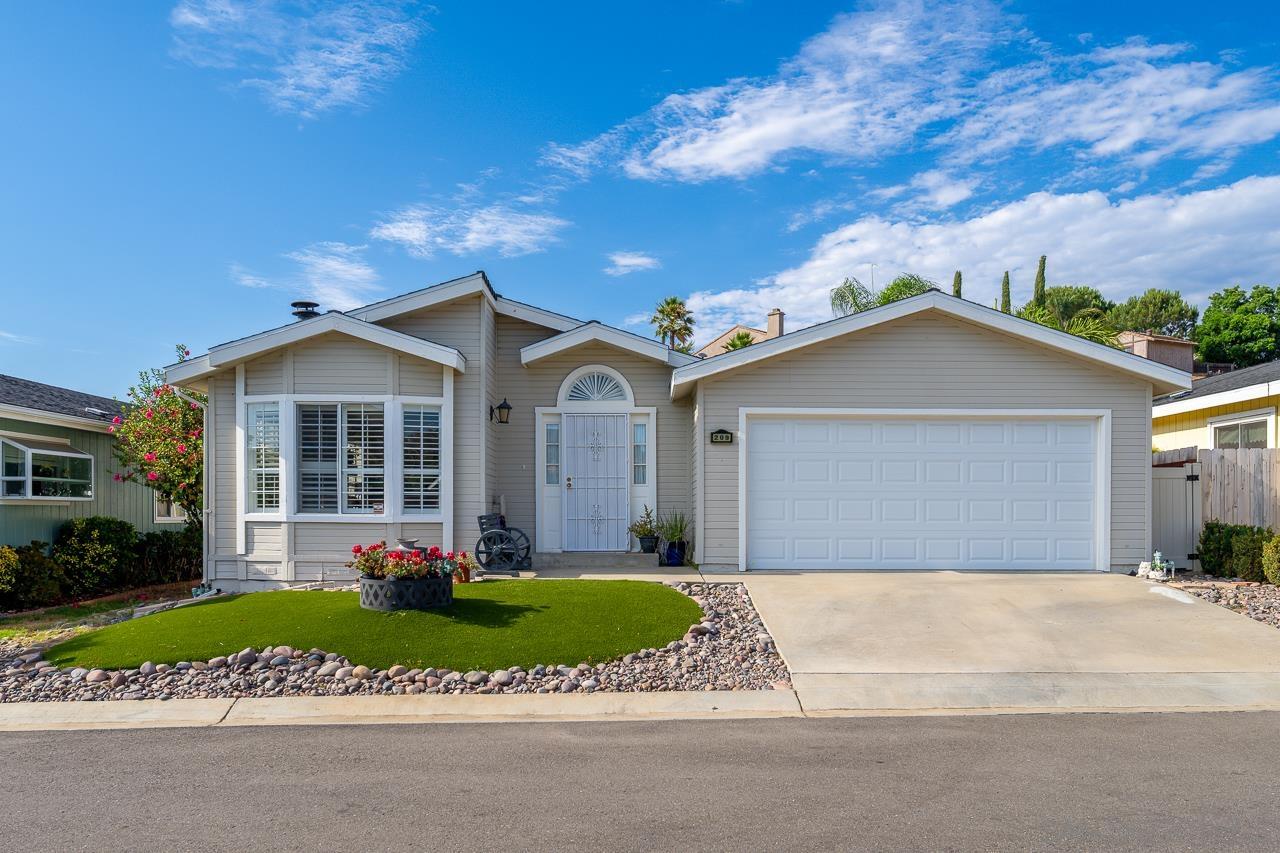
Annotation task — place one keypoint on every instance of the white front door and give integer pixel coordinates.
(922, 493)
(596, 482)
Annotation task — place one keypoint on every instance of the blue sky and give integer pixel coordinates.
(181, 171)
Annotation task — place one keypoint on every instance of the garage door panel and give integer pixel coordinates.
(864, 493)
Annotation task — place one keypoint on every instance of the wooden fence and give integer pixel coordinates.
(1191, 486)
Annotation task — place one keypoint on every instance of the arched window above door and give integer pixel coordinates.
(595, 383)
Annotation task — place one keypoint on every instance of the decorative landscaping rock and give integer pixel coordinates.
(728, 649)
(1257, 601)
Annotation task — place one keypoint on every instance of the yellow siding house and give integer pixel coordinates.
(1227, 411)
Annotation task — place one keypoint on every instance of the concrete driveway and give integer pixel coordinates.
(937, 641)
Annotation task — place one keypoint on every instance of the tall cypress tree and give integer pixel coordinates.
(1005, 304)
(955, 285)
(1037, 296)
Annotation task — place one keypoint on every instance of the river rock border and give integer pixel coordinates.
(730, 649)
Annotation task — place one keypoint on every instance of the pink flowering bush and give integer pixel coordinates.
(378, 561)
(160, 441)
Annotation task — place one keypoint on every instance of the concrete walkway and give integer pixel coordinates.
(948, 641)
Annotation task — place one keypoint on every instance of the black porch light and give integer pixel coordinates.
(502, 411)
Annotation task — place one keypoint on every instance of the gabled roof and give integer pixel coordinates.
(1162, 377)
(595, 331)
(234, 352)
(1236, 386)
(457, 288)
(21, 398)
(716, 347)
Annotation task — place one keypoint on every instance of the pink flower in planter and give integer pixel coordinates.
(356, 549)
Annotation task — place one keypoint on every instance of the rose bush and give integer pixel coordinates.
(160, 440)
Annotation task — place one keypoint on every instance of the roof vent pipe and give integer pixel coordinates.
(304, 310)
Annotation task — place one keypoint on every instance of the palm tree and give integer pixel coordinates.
(850, 297)
(673, 322)
(904, 286)
(738, 341)
(1089, 324)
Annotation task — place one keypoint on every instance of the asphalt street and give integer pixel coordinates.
(1072, 782)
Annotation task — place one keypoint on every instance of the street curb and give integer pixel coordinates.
(366, 710)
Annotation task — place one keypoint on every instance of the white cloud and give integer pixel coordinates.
(1195, 242)
(424, 230)
(637, 320)
(14, 338)
(304, 57)
(623, 263)
(333, 274)
(934, 190)
(961, 78)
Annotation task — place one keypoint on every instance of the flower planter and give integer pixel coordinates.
(673, 554)
(405, 593)
(648, 544)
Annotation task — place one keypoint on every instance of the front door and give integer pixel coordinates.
(596, 483)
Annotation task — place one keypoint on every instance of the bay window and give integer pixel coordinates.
(340, 458)
(44, 470)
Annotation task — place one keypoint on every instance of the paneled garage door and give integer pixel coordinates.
(921, 493)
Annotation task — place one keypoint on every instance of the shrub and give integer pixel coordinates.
(29, 578)
(1217, 550)
(166, 557)
(1271, 560)
(96, 553)
(1246, 553)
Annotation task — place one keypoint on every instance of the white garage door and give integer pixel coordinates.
(921, 493)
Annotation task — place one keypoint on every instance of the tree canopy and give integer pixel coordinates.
(1068, 301)
(673, 323)
(1164, 312)
(1240, 327)
(852, 296)
(738, 341)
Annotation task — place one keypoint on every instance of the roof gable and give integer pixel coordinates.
(232, 353)
(1236, 386)
(598, 332)
(1162, 377)
(476, 283)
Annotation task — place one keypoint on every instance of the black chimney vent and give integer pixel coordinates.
(304, 310)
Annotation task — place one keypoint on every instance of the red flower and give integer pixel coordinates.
(356, 549)
(182, 448)
(116, 477)
(449, 556)
(148, 413)
(152, 475)
(150, 457)
(117, 420)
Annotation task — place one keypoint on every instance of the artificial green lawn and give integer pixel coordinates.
(490, 625)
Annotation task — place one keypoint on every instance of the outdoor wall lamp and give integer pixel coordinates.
(502, 411)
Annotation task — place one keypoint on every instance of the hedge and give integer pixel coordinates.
(1233, 550)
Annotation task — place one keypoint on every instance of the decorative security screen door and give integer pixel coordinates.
(597, 506)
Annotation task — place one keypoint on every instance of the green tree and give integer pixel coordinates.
(905, 286)
(1088, 325)
(1162, 311)
(160, 440)
(673, 322)
(1239, 327)
(851, 296)
(955, 285)
(1006, 305)
(738, 341)
(1037, 295)
(1066, 301)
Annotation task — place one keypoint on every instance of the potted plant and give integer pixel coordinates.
(393, 579)
(673, 528)
(645, 529)
(466, 565)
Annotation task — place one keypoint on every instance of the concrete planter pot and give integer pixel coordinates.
(648, 544)
(390, 594)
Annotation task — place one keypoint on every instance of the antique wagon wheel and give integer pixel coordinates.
(497, 551)
(522, 544)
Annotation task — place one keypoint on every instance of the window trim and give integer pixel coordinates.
(643, 466)
(16, 440)
(1267, 414)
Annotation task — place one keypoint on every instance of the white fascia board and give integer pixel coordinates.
(537, 316)
(1222, 398)
(236, 352)
(39, 416)
(425, 298)
(594, 332)
(1162, 377)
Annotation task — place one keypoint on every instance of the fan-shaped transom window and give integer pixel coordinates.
(596, 386)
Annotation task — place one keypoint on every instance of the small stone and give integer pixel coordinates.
(362, 672)
(163, 667)
(502, 678)
(246, 657)
(283, 651)
(475, 677)
(397, 671)
(78, 673)
(280, 660)
(217, 663)
(147, 669)
(120, 679)
(328, 669)
(432, 682)
(97, 675)
(344, 672)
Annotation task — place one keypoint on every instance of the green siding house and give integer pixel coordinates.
(56, 464)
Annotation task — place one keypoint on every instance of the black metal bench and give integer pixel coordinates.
(502, 548)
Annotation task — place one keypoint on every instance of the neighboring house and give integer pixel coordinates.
(1226, 411)
(930, 433)
(774, 329)
(57, 464)
(1166, 349)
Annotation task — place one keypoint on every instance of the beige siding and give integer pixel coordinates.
(222, 402)
(538, 385)
(457, 324)
(491, 395)
(930, 361)
(265, 375)
(419, 377)
(337, 364)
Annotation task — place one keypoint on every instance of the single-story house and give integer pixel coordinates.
(56, 452)
(774, 329)
(929, 433)
(1226, 411)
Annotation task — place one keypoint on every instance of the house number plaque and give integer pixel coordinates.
(721, 436)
